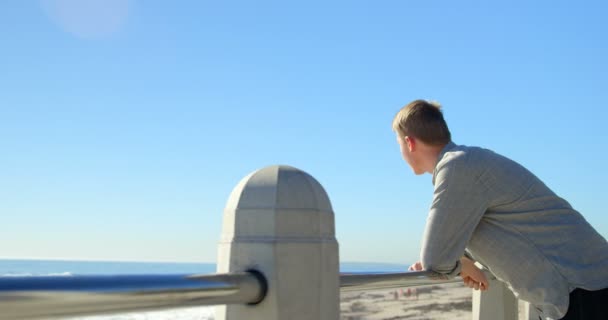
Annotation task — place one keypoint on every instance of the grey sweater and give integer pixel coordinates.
(509, 221)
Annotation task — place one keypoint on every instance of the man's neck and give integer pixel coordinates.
(431, 156)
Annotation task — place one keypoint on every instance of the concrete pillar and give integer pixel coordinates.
(527, 311)
(279, 221)
(496, 303)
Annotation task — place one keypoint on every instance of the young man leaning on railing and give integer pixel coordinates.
(488, 208)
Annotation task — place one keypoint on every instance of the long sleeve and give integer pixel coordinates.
(509, 220)
(457, 208)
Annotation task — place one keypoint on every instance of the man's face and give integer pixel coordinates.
(405, 151)
(406, 147)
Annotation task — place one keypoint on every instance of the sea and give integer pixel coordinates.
(67, 268)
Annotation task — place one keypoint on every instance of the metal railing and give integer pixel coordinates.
(67, 296)
(278, 219)
(376, 281)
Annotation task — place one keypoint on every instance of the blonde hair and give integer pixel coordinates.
(423, 120)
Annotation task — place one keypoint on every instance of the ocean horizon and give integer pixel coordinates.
(45, 267)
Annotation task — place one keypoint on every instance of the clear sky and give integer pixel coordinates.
(124, 125)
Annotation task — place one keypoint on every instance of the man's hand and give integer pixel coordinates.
(416, 266)
(472, 276)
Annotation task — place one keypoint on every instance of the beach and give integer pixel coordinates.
(451, 301)
(436, 302)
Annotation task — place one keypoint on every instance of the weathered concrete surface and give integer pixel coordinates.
(496, 303)
(279, 221)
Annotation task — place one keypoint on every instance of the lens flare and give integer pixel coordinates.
(88, 18)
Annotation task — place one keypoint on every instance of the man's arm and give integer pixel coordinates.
(458, 205)
(471, 275)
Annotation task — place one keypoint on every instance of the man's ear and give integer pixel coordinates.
(411, 143)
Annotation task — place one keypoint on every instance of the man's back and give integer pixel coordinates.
(527, 236)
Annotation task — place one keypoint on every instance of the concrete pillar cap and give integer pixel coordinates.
(278, 201)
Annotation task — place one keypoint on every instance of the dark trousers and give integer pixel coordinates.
(588, 305)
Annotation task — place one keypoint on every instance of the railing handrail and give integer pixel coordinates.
(376, 281)
(59, 296)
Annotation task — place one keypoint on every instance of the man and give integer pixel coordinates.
(489, 209)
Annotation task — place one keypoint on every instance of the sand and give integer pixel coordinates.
(451, 301)
(437, 302)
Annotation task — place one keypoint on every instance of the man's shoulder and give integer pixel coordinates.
(463, 157)
(461, 153)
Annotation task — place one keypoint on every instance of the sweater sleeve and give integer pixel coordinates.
(458, 206)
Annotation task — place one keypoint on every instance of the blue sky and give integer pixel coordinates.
(125, 126)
